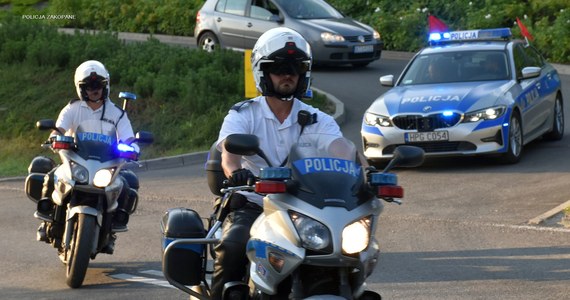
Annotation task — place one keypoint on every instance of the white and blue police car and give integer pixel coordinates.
(468, 93)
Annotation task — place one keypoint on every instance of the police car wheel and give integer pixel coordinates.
(558, 121)
(515, 141)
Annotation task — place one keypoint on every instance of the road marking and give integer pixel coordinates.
(149, 280)
(141, 279)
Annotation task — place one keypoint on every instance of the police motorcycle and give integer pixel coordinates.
(84, 189)
(316, 236)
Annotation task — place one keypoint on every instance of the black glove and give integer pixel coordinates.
(240, 177)
(369, 171)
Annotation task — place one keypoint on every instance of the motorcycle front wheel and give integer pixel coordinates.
(80, 249)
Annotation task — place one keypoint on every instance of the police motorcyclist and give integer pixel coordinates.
(92, 83)
(281, 62)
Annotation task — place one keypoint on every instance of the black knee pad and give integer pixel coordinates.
(41, 164)
(131, 179)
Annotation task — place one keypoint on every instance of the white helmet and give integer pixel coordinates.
(282, 51)
(91, 74)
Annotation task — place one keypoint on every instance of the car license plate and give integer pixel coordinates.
(363, 49)
(432, 136)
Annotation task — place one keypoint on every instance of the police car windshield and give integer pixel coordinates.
(309, 9)
(461, 66)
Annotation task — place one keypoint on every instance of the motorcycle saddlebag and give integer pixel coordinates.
(34, 185)
(214, 172)
(186, 261)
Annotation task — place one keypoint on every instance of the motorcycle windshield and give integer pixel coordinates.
(96, 140)
(327, 171)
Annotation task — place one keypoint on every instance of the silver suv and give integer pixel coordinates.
(334, 38)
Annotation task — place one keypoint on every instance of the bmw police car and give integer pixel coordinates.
(468, 93)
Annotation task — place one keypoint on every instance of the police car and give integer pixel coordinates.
(467, 93)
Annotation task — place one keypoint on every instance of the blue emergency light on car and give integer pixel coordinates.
(383, 179)
(274, 173)
(470, 35)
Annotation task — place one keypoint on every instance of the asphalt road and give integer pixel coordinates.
(462, 232)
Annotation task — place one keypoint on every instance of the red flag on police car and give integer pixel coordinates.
(436, 25)
(524, 31)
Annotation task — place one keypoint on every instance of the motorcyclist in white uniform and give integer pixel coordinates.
(92, 83)
(281, 62)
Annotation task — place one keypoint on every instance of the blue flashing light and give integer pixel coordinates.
(383, 179)
(471, 35)
(125, 148)
(274, 173)
(447, 113)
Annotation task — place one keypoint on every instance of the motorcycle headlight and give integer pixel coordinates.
(356, 236)
(374, 119)
(79, 173)
(490, 113)
(314, 235)
(103, 177)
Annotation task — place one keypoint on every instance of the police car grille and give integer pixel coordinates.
(354, 39)
(426, 123)
(435, 147)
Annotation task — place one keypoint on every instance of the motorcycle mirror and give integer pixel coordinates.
(144, 137)
(407, 157)
(244, 144)
(46, 124)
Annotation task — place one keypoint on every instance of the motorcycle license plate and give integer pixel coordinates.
(432, 136)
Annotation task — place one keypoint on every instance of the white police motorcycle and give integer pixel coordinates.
(77, 218)
(316, 236)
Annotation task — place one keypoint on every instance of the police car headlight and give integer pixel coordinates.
(314, 235)
(329, 37)
(356, 236)
(491, 113)
(103, 177)
(374, 119)
(79, 173)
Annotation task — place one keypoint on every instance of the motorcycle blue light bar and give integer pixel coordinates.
(125, 148)
(383, 179)
(274, 173)
(471, 35)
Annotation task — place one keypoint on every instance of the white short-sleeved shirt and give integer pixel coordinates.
(255, 117)
(77, 111)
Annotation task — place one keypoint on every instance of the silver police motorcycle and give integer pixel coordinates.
(316, 236)
(77, 218)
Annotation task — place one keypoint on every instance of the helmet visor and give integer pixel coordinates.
(93, 82)
(285, 67)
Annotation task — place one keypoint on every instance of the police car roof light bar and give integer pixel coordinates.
(470, 35)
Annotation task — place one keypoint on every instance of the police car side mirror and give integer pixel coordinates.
(530, 72)
(387, 80)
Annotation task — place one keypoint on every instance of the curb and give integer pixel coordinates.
(549, 214)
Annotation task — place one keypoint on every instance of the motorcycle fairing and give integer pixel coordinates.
(274, 227)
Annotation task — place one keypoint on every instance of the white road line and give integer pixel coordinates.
(140, 279)
(153, 272)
